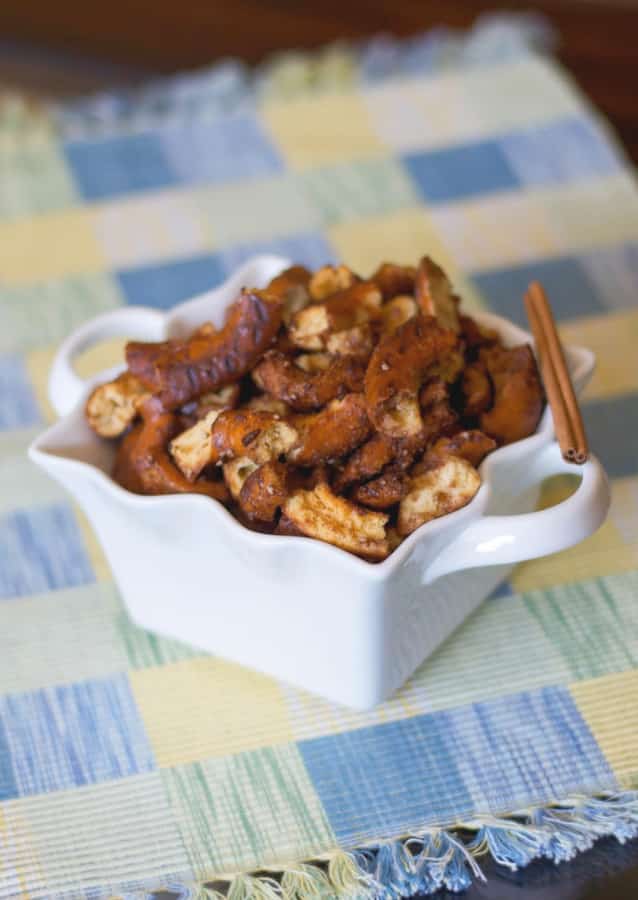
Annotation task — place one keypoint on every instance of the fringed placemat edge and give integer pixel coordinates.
(429, 859)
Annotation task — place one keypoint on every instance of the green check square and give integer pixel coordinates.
(34, 178)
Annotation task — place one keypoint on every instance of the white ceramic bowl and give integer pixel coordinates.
(299, 609)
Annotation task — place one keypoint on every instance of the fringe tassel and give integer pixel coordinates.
(248, 887)
(558, 832)
(305, 882)
(618, 816)
(444, 861)
(348, 877)
(573, 827)
(509, 843)
(437, 858)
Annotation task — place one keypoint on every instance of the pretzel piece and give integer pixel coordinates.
(260, 436)
(357, 341)
(367, 461)
(398, 367)
(322, 514)
(435, 296)
(206, 329)
(311, 327)
(396, 312)
(180, 371)
(281, 377)
(193, 449)
(254, 433)
(382, 492)
(292, 288)
(518, 394)
(226, 397)
(314, 362)
(393, 279)
(437, 415)
(330, 280)
(331, 433)
(269, 404)
(471, 445)
(445, 487)
(264, 491)
(476, 389)
(143, 465)
(450, 367)
(113, 406)
(236, 471)
(371, 458)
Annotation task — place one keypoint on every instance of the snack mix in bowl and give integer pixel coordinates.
(330, 406)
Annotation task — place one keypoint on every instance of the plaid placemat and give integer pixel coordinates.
(130, 763)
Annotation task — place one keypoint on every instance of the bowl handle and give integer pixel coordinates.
(496, 540)
(139, 322)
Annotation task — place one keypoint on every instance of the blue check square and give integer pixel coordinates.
(559, 152)
(166, 284)
(565, 279)
(375, 781)
(71, 735)
(119, 165)
(8, 786)
(612, 428)
(435, 768)
(442, 176)
(543, 731)
(225, 149)
(18, 406)
(614, 272)
(41, 549)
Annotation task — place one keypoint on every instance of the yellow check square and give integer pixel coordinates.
(196, 709)
(613, 338)
(140, 230)
(39, 361)
(320, 130)
(592, 213)
(38, 364)
(48, 246)
(501, 230)
(603, 553)
(609, 705)
(613, 548)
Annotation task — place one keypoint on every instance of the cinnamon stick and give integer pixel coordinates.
(568, 421)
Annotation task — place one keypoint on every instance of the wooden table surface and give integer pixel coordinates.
(69, 47)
